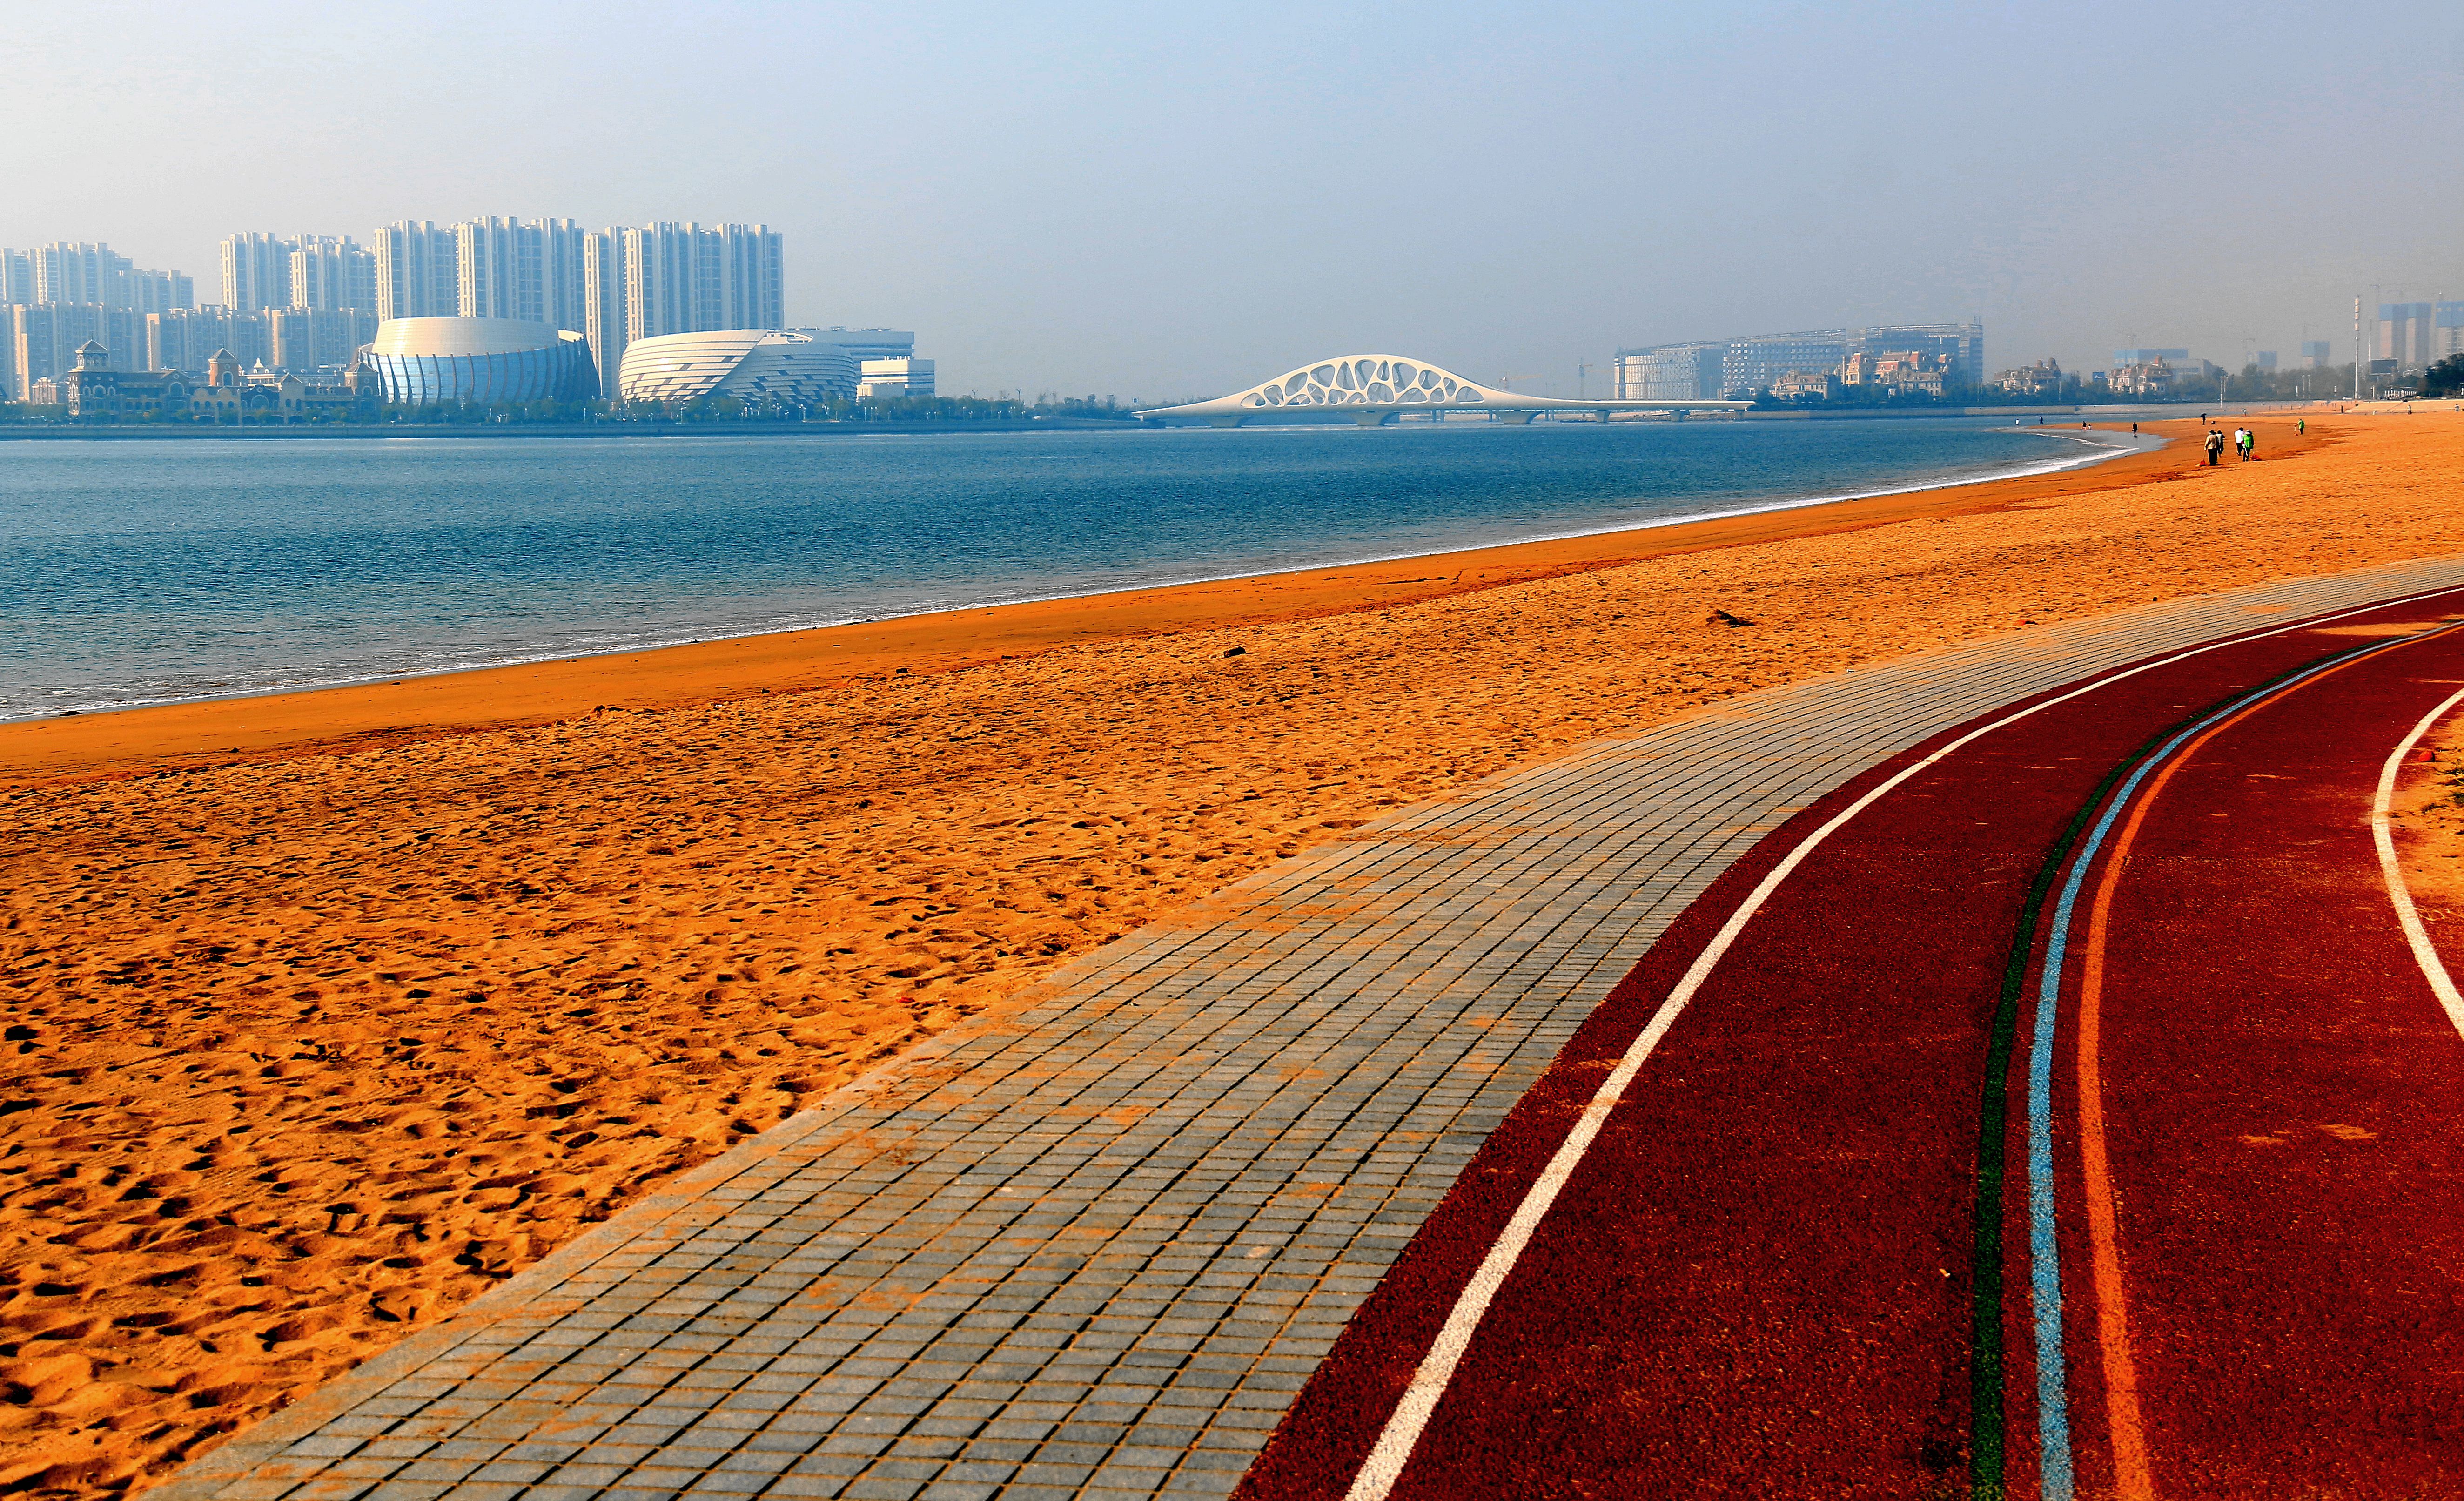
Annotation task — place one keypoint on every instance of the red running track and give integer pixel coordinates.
(2282, 1108)
(1764, 1275)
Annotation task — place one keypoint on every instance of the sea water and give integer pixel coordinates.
(136, 572)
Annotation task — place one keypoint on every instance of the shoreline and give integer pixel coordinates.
(45, 433)
(359, 1035)
(2026, 469)
(358, 713)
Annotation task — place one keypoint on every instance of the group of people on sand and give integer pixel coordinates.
(2245, 443)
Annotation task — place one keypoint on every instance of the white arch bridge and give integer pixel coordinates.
(1375, 388)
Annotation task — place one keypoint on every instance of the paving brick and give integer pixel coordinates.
(1099, 1251)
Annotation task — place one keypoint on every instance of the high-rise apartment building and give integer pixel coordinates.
(642, 283)
(2446, 331)
(257, 272)
(158, 291)
(565, 274)
(536, 271)
(418, 274)
(681, 279)
(186, 340)
(67, 271)
(328, 275)
(86, 274)
(305, 339)
(602, 303)
(752, 280)
(71, 271)
(658, 279)
(498, 263)
(2405, 334)
(44, 337)
(168, 341)
(2318, 351)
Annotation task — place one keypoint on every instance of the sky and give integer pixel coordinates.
(1177, 200)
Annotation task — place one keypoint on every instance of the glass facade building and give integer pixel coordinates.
(423, 361)
(1739, 367)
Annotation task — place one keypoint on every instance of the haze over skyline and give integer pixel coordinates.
(1166, 203)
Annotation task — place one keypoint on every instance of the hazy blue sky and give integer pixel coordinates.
(1161, 200)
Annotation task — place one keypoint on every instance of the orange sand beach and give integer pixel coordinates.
(325, 1011)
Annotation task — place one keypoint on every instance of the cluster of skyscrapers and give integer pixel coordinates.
(2415, 335)
(1945, 356)
(309, 302)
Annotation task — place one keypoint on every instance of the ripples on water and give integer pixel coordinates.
(139, 573)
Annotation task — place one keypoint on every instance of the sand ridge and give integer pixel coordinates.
(305, 1049)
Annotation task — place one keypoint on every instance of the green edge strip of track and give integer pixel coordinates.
(1987, 1448)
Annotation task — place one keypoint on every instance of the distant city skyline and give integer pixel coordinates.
(1165, 203)
(306, 301)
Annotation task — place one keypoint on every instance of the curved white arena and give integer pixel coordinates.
(423, 362)
(461, 336)
(750, 364)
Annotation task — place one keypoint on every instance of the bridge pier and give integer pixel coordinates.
(1224, 422)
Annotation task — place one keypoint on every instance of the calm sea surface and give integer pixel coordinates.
(139, 572)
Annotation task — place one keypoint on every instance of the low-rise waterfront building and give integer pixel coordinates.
(2044, 378)
(904, 375)
(1818, 384)
(1742, 367)
(1668, 372)
(44, 338)
(2151, 379)
(93, 390)
(1914, 372)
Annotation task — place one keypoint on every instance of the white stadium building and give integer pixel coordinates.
(797, 366)
(430, 360)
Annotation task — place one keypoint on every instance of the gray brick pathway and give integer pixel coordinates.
(1096, 1248)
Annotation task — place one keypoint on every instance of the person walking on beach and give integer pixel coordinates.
(2302, 428)
(2215, 447)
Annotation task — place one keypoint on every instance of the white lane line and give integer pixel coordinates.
(2383, 833)
(1384, 1466)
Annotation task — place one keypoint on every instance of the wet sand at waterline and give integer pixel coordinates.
(326, 1011)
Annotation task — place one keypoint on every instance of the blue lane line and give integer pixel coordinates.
(2044, 1251)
